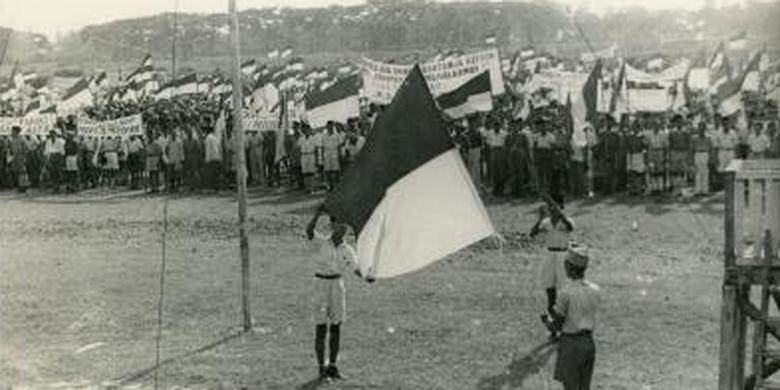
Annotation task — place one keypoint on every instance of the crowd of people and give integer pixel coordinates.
(184, 149)
(643, 154)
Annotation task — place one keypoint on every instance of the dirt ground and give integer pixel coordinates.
(80, 274)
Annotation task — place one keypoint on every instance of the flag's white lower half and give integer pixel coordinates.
(430, 213)
(339, 111)
(482, 102)
(731, 104)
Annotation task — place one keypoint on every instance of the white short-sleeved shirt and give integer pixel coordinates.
(555, 236)
(545, 141)
(759, 143)
(495, 140)
(330, 259)
(578, 303)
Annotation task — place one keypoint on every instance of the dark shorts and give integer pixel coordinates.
(576, 356)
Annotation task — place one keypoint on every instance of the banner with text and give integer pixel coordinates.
(381, 79)
(30, 125)
(260, 121)
(122, 127)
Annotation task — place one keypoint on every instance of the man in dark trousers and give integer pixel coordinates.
(333, 257)
(574, 315)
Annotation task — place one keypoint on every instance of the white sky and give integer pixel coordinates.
(52, 16)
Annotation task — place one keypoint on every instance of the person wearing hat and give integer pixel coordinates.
(574, 315)
(555, 228)
(333, 257)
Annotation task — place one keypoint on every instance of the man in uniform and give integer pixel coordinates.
(495, 138)
(543, 152)
(679, 153)
(307, 144)
(54, 153)
(333, 257)
(516, 146)
(658, 143)
(556, 228)
(18, 158)
(635, 161)
(332, 141)
(701, 157)
(574, 315)
(758, 142)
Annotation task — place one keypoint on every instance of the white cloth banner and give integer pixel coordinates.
(381, 79)
(40, 124)
(254, 122)
(122, 127)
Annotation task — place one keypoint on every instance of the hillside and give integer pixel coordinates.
(396, 26)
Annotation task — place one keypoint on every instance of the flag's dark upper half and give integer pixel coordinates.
(476, 85)
(408, 134)
(346, 87)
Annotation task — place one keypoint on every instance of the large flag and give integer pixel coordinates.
(182, 86)
(408, 196)
(249, 67)
(143, 73)
(752, 78)
(473, 96)
(284, 127)
(584, 108)
(739, 41)
(338, 102)
(77, 96)
(720, 68)
(619, 104)
(729, 94)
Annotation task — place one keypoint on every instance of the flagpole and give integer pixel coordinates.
(238, 130)
(173, 42)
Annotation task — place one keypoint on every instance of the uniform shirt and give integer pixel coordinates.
(354, 148)
(727, 141)
(176, 151)
(702, 144)
(213, 148)
(578, 303)
(331, 142)
(135, 146)
(658, 140)
(307, 144)
(330, 259)
(636, 143)
(55, 146)
(680, 141)
(495, 140)
(758, 143)
(555, 236)
(545, 141)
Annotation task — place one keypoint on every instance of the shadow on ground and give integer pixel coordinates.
(520, 369)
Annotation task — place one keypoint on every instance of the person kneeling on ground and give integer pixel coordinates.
(574, 315)
(333, 257)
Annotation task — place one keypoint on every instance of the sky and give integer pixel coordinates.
(62, 16)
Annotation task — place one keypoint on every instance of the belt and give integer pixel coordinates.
(327, 277)
(584, 332)
(556, 249)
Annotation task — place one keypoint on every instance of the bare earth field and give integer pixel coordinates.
(79, 280)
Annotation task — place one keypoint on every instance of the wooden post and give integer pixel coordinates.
(238, 132)
(729, 244)
(732, 340)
